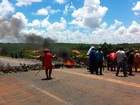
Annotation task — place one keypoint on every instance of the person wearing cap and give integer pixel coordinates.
(92, 60)
(47, 63)
(99, 60)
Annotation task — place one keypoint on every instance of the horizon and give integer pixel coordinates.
(69, 43)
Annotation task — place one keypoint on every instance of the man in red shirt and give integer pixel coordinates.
(112, 57)
(47, 63)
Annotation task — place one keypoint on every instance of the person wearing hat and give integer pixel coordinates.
(99, 60)
(47, 63)
(92, 60)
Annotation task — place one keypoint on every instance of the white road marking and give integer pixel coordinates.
(51, 95)
(103, 78)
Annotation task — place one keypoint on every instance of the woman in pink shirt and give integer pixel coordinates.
(136, 60)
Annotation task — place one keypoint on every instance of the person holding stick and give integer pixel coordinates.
(47, 63)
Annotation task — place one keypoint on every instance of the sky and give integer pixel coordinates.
(71, 21)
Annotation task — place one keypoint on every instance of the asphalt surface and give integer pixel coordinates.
(74, 86)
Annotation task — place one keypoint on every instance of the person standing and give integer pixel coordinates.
(130, 62)
(99, 60)
(136, 60)
(121, 61)
(108, 61)
(112, 57)
(47, 63)
(92, 60)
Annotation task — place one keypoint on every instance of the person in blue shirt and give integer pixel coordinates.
(99, 60)
(92, 60)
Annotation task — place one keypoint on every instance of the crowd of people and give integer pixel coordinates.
(116, 61)
(96, 58)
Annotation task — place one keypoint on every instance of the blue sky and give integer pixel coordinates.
(71, 21)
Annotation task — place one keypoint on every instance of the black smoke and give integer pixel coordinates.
(48, 42)
(33, 38)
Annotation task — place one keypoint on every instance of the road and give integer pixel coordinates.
(4, 61)
(69, 87)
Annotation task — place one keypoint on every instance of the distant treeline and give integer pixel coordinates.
(26, 49)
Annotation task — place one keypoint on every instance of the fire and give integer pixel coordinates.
(70, 63)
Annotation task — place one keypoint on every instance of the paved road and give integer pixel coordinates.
(69, 87)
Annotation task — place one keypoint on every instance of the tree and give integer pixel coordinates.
(4, 51)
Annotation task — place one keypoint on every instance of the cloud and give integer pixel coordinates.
(26, 2)
(134, 28)
(6, 8)
(115, 25)
(68, 8)
(115, 33)
(13, 28)
(46, 11)
(90, 15)
(136, 13)
(42, 11)
(137, 7)
(60, 1)
(36, 24)
(56, 26)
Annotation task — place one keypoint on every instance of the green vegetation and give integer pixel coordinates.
(29, 50)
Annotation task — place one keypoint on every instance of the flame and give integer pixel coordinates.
(70, 63)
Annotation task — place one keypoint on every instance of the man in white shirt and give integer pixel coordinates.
(121, 58)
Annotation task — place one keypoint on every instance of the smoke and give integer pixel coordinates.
(33, 38)
(11, 30)
(11, 26)
(47, 42)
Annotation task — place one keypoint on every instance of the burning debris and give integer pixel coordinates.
(22, 68)
(70, 63)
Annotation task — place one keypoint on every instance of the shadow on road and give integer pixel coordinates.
(47, 79)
